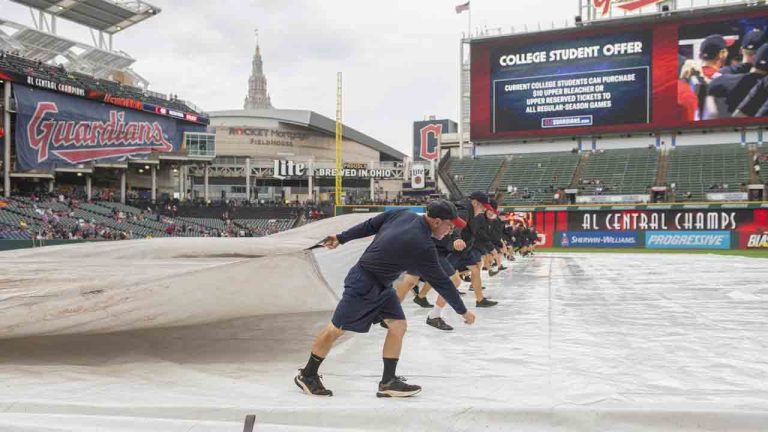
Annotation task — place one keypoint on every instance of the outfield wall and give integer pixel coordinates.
(654, 226)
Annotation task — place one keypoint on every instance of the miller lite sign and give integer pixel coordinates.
(53, 129)
(283, 169)
(418, 174)
(427, 136)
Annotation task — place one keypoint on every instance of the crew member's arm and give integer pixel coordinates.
(754, 100)
(430, 270)
(367, 228)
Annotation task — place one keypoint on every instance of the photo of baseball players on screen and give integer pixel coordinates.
(723, 70)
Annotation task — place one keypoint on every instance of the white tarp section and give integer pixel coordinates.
(125, 285)
(579, 342)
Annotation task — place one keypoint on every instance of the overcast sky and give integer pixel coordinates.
(399, 58)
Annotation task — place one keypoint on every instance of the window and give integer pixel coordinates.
(200, 144)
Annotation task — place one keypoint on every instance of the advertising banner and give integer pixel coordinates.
(418, 174)
(659, 220)
(754, 240)
(53, 129)
(619, 199)
(283, 169)
(426, 138)
(727, 196)
(688, 240)
(599, 239)
(98, 95)
(572, 83)
(680, 73)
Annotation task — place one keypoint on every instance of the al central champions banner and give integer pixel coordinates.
(53, 129)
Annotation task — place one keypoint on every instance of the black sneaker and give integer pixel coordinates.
(311, 385)
(396, 387)
(502, 268)
(422, 301)
(462, 292)
(493, 272)
(472, 289)
(484, 303)
(466, 278)
(439, 324)
(415, 290)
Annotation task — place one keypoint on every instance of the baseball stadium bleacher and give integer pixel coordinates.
(20, 65)
(22, 218)
(708, 168)
(626, 171)
(474, 174)
(535, 177)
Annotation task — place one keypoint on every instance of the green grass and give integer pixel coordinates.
(750, 253)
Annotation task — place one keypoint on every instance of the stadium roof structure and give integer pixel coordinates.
(108, 16)
(43, 46)
(312, 120)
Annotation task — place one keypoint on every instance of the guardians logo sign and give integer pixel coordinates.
(53, 129)
(82, 141)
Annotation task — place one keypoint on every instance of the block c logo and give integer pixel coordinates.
(430, 141)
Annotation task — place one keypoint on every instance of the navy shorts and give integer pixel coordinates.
(461, 260)
(365, 302)
(444, 263)
(487, 248)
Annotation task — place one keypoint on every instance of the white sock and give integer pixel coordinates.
(435, 312)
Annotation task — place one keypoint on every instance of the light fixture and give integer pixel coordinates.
(79, 174)
(141, 171)
(146, 166)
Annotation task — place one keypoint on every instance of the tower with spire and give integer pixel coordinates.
(257, 98)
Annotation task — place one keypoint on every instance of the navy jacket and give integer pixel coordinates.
(403, 242)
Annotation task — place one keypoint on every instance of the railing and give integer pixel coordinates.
(445, 176)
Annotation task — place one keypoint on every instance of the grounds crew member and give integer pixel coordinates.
(755, 104)
(403, 242)
(751, 42)
(410, 280)
(732, 89)
(471, 257)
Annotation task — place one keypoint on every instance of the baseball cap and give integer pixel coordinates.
(442, 209)
(761, 58)
(711, 46)
(753, 40)
(482, 197)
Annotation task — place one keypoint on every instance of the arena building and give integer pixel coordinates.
(281, 155)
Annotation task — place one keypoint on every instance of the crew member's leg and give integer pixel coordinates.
(391, 385)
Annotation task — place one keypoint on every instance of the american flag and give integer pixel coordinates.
(462, 7)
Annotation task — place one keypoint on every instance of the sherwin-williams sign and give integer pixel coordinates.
(599, 239)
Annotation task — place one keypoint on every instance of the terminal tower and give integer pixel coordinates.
(257, 98)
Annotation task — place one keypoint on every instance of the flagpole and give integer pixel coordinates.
(469, 22)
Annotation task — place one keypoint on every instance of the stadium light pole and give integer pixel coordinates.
(7, 140)
(338, 139)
